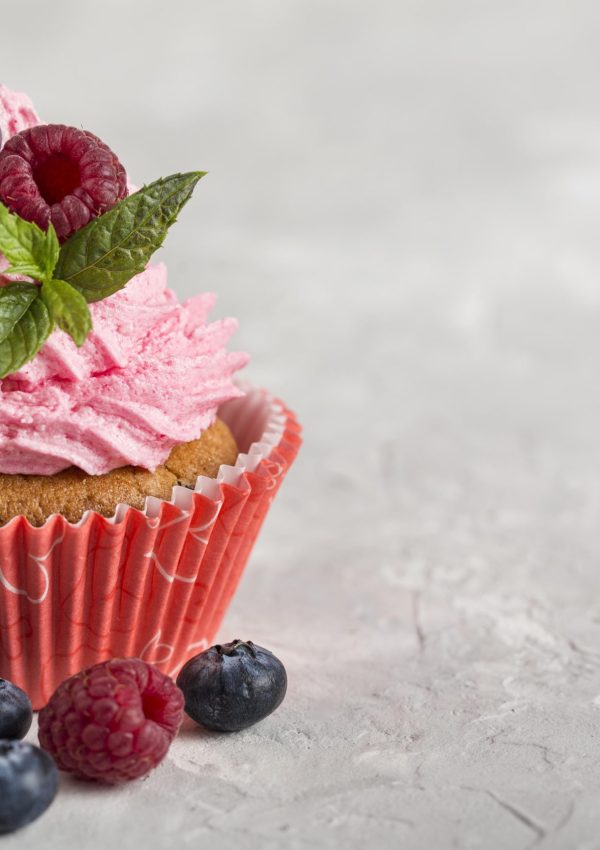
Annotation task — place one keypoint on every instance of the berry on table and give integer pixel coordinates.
(59, 174)
(16, 713)
(28, 784)
(113, 721)
(232, 686)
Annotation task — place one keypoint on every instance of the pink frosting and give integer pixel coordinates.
(151, 374)
(16, 113)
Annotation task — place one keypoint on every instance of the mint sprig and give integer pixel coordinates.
(92, 264)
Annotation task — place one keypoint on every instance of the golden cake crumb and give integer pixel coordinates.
(73, 492)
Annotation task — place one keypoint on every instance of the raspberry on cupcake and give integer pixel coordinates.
(53, 173)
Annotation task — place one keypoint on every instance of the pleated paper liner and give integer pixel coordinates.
(154, 583)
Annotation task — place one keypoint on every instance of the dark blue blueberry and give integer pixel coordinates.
(28, 784)
(16, 713)
(232, 686)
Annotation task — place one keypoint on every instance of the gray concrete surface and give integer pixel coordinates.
(403, 209)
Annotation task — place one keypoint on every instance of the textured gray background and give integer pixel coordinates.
(403, 211)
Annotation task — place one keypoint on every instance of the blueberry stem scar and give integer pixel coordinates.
(230, 648)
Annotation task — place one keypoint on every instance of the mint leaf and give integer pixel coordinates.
(27, 248)
(52, 251)
(26, 338)
(103, 256)
(15, 299)
(68, 308)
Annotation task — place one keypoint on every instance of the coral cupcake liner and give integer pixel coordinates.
(152, 583)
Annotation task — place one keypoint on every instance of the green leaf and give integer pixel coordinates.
(104, 255)
(26, 338)
(52, 251)
(68, 308)
(15, 299)
(27, 248)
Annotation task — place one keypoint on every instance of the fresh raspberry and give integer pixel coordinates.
(60, 174)
(113, 721)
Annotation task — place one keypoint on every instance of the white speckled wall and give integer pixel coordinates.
(403, 210)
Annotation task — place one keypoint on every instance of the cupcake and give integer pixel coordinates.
(135, 467)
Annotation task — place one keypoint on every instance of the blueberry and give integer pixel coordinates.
(16, 713)
(232, 686)
(28, 784)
